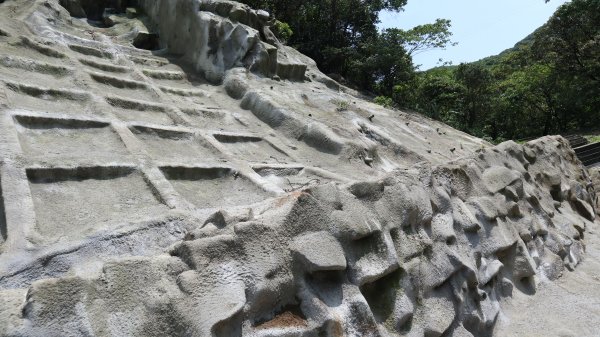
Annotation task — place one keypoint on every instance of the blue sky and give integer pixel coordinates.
(481, 27)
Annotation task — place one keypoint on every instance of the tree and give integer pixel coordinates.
(528, 102)
(390, 58)
(436, 93)
(426, 37)
(387, 63)
(343, 38)
(570, 42)
(332, 32)
(573, 36)
(547, 84)
(477, 81)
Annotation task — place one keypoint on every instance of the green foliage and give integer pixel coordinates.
(388, 63)
(343, 38)
(282, 30)
(384, 101)
(593, 138)
(547, 84)
(427, 37)
(332, 32)
(438, 93)
(341, 105)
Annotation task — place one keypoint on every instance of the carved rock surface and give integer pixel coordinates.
(139, 196)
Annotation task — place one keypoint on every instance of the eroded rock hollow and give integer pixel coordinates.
(168, 168)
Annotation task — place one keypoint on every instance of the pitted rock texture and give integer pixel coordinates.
(140, 196)
(226, 34)
(595, 176)
(424, 251)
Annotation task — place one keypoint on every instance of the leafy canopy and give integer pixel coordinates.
(548, 83)
(343, 38)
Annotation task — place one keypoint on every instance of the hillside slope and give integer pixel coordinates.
(547, 84)
(219, 184)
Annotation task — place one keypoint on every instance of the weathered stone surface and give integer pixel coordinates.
(497, 178)
(595, 177)
(137, 199)
(463, 216)
(440, 313)
(319, 252)
(488, 270)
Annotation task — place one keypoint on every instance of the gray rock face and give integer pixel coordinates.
(595, 176)
(139, 199)
(221, 36)
(319, 252)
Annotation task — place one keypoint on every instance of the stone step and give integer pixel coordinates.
(589, 154)
(591, 159)
(587, 148)
(578, 143)
(576, 140)
(591, 163)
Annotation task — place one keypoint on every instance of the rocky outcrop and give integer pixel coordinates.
(215, 36)
(595, 175)
(427, 251)
(136, 199)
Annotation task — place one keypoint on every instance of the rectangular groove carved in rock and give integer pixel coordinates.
(251, 148)
(139, 111)
(289, 178)
(173, 145)
(75, 202)
(213, 186)
(70, 138)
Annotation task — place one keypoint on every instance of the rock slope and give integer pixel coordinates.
(171, 169)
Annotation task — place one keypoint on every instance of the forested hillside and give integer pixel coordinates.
(343, 38)
(548, 83)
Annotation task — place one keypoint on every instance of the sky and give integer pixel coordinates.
(481, 27)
